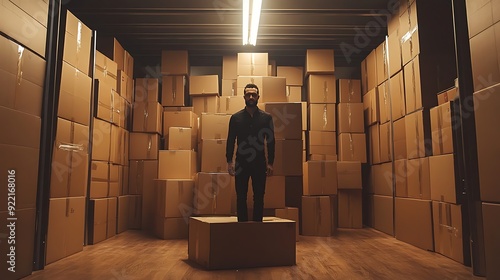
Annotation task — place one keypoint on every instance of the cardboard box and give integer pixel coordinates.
(101, 140)
(287, 119)
(416, 96)
(382, 179)
(171, 228)
(318, 215)
(69, 160)
(401, 177)
(382, 62)
(24, 247)
(349, 90)
(350, 118)
(181, 138)
(176, 164)
(352, 147)
(147, 117)
(385, 142)
(212, 193)
(141, 175)
(146, 90)
(371, 71)
(122, 213)
(397, 89)
(201, 85)
(294, 74)
(112, 216)
(229, 87)
(418, 174)
(320, 177)
(128, 64)
(134, 212)
(443, 179)
(273, 89)
(174, 198)
(349, 175)
(442, 129)
(370, 105)
(320, 61)
(293, 93)
(174, 62)
(382, 209)
(223, 243)
(77, 44)
(106, 70)
(173, 88)
(384, 102)
(74, 96)
(143, 146)
(22, 75)
(179, 119)
(350, 214)
(322, 117)
(448, 240)
(395, 64)
(120, 145)
(414, 222)
(97, 220)
(322, 142)
(374, 144)
(418, 134)
(252, 64)
(110, 47)
(231, 104)
(213, 155)
(229, 67)
(409, 33)
(214, 126)
(66, 228)
(321, 89)
(487, 137)
(364, 76)
(205, 104)
(400, 139)
(105, 94)
(447, 95)
(288, 158)
(17, 15)
(491, 242)
(289, 213)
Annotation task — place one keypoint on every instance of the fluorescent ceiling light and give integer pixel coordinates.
(250, 37)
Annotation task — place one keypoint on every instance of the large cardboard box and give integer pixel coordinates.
(382, 179)
(442, 129)
(401, 177)
(322, 142)
(350, 214)
(179, 119)
(206, 84)
(488, 136)
(70, 160)
(22, 75)
(143, 146)
(174, 198)
(288, 158)
(384, 102)
(122, 213)
(174, 62)
(120, 145)
(74, 96)
(443, 179)
(214, 126)
(212, 193)
(382, 62)
(223, 243)
(106, 70)
(252, 64)
(385, 142)
(170, 228)
(294, 74)
(147, 117)
(349, 90)
(382, 212)
(97, 220)
(320, 61)
(349, 175)
(418, 134)
(134, 215)
(101, 140)
(110, 47)
(172, 91)
(371, 71)
(231, 104)
(414, 222)
(448, 240)
(352, 147)
(370, 105)
(287, 119)
(24, 246)
(397, 90)
(289, 213)
(213, 155)
(319, 215)
(230, 67)
(322, 117)
(141, 175)
(77, 44)
(350, 118)
(418, 174)
(18, 15)
(400, 139)
(176, 164)
(65, 233)
(205, 104)
(394, 50)
(294, 93)
(491, 242)
(125, 86)
(229, 87)
(181, 138)
(146, 90)
(374, 144)
(320, 178)
(321, 89)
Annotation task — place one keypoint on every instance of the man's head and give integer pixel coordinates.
(251, 95)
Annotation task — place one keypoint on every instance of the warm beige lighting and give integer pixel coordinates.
(250, 36)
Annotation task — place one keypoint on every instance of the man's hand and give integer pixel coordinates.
(269, 170)
(230, 168)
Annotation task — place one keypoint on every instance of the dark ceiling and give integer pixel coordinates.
(209, 29)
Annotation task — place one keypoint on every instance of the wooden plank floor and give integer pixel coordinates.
(351, 254)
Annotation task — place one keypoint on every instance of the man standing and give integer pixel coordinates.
(252, 128)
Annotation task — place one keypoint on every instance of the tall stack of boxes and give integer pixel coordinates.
(68, 187)
(320, 170)
(483, 30)
(22, 74)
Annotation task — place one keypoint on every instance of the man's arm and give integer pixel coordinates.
(231, 139)
(270, 146)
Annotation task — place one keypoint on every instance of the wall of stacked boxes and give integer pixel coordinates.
(148, 153)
